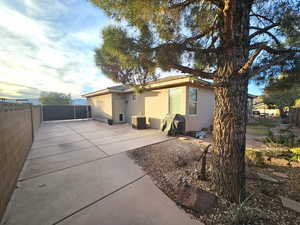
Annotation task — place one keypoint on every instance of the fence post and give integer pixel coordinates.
(32, 126)
(42, 113)
(74, 111)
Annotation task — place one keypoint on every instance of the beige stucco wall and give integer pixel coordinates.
(274, 112)
(156, 106)
(205, 108)
(134, 106)
(101, 107)
(153, 104)
(118, 106)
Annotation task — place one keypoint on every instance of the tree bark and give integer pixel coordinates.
(230, 113)
(229, 143)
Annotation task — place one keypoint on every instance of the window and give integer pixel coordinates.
(175, 100)
(193, 98)
(133, 97)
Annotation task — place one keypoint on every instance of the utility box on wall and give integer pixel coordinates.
(138, 122)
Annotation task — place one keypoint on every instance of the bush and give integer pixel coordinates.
(296, 154)
(255, 157)
(286, 138)
(295, 151)
(246, 216)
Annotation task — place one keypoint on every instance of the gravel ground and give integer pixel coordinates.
(170, 162)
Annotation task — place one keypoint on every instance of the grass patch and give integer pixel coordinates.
(258, 131)
(261, 127)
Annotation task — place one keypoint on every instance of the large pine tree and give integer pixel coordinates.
(226, 41)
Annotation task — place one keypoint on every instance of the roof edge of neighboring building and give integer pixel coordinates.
(252, 96)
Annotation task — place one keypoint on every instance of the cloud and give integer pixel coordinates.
(48, 45)
(9, 90)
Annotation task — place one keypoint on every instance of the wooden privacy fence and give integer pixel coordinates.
(294, 116)
(18, 125)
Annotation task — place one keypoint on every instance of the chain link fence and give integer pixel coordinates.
(65, 112)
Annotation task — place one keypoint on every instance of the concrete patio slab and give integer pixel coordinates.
(50, 129)
(47, 199)
(124, 137)
(57, 140)
(60, 148)
(87, 129)
(44, 165)
(128, 145)
(98, 134)
(139, 203)
(74, 174)
(42, 136)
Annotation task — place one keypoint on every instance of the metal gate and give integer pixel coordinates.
(65, 112)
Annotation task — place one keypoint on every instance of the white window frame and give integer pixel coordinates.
(193, 101)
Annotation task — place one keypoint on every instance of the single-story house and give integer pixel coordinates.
(183, 94)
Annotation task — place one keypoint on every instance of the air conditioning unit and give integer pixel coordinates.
(138, 122)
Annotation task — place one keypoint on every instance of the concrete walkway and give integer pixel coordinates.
(78, 173)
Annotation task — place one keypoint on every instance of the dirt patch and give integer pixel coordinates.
(176, 162)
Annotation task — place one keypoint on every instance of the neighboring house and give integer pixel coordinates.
(264, 109)
(250, 106)
(190, 97)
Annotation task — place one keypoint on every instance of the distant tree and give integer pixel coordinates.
(282, 99)
(226, 41)
(288, 77)
(284, 91)
(55, 98)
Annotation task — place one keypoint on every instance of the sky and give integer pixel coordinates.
(48, 45)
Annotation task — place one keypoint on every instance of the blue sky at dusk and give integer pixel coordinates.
(48, 45)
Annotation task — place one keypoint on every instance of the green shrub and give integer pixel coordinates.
(296, 154)
(295, 150)
(286, 138)
(296, 158)
(244, 215)
(255, 157)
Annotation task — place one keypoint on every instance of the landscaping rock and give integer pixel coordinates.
(183, 138)
(291, 204)
(267, 178)
(196, 199)
(282, 175)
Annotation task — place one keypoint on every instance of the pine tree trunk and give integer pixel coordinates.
(230, 118)
(230, 113)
